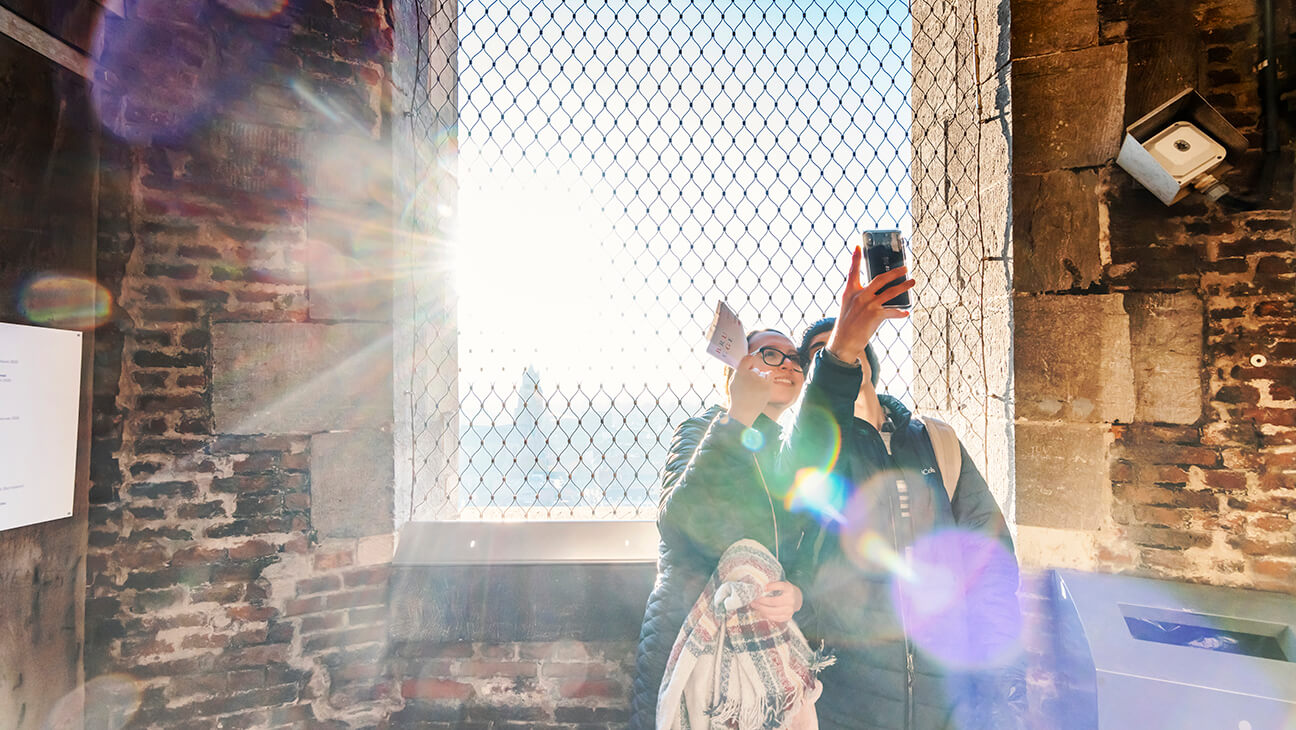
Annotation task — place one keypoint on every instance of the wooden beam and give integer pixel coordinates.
(23, 31)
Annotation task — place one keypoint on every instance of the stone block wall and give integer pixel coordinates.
(961, 168)
(1151, 439)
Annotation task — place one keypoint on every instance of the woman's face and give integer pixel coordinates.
(787, 377)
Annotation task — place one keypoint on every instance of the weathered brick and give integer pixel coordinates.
(250, 527)
(224, 593)
(356, 598)
(251, 505)
(1160, 516)
(1274, 480)
(599, 688)
(323, 622)
(144, 468)
(1273, 523)
(167, 315)
(253, 656)
(1226, 480)
(1284, 547)
(140, 555)
(585, 715)
(158, 402)
(197, 555)
(346, 637)
(1276, 568)
(332, 559)
(233, 702)
(159, 490)
(255, 483)
(299, 606)
(435, 689)
(252, 549)
(485, 668)
(1166, 538)
(1237, 394)
(261, 461)
(176, 447)
(137, 648)
(376, 575)
(242, 571)
(318, 585)
(204, 510)
(360, 672)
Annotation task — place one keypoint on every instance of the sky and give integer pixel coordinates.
(622, 168)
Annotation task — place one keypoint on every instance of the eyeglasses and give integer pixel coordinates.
(775, 357)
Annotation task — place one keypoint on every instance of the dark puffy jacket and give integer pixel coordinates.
(711, 497)
(935, 664)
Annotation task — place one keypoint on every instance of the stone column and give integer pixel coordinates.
(962, 240)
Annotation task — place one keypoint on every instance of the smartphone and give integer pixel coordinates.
(884, 251)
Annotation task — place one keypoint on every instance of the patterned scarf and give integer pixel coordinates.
(729, 668)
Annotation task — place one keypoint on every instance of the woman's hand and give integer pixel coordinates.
(749, 389)
(862, 312)
(780, 601)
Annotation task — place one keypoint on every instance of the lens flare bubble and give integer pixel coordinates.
(752, 439)
(817, 430)
(865, 520)
(164, 71)
(819, 493)
(873, 551)
(68, 302)
(944, 599)
(256, 8)
(107, 702)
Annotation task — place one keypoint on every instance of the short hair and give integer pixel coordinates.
(825, 325)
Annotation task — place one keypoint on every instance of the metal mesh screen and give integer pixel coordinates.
(622, 166)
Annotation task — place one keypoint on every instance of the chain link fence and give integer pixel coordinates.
(620, 168)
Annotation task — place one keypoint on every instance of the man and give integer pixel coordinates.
(911, 586)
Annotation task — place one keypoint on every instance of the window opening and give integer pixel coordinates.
(621, 166)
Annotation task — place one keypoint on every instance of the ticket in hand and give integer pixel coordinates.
(726, 338)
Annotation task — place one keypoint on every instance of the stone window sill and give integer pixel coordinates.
(522, 581)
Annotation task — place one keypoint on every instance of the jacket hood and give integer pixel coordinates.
(897, 415)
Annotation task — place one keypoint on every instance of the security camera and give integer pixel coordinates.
(1182, 144)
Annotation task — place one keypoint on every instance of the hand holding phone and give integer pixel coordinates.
(863, 308)
(883, 252)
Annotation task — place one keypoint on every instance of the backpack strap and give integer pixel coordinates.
(949, 456)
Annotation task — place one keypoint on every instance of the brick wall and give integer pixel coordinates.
(560, 684)
(220, 580)
(1147, 439)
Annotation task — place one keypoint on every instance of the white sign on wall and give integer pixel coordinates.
(40, 392)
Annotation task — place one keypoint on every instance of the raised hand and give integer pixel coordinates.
(862, 312)
(749, 389)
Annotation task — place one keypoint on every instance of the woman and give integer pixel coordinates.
(721, 484)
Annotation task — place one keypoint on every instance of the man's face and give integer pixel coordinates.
(820, 340)
(817, 343)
